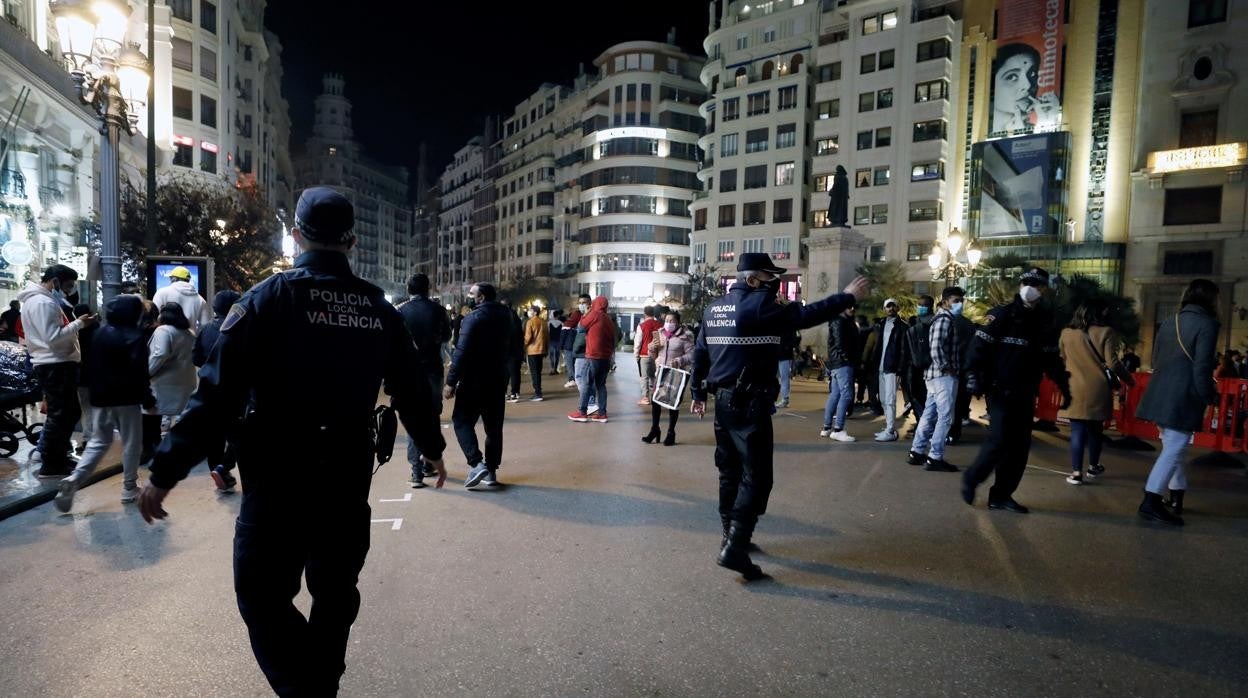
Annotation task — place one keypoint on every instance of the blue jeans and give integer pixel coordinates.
(786, 379)
(1085, 434)
(942, 393)
(1168, 469)
(569, 364)
(552, 355)
(583, 385)
(596, 372)
(840, 397)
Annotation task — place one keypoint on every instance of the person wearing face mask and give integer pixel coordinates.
(52, 340)
(1015, 346)
(940, 376)
(914, 345)
(536, 339)
(671, 346)
(735, 360)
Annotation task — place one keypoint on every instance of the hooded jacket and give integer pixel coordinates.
(599, 331)
(567, 335)
(50, 336)
(172, 371)
(117, 363)
(193, 305)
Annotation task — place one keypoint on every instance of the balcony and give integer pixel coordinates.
(12, 183)
(564, 271)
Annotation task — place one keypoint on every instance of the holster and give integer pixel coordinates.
(385, 430)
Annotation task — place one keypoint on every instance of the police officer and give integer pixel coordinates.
(305, 353)
(735, 359)
(1015, 345)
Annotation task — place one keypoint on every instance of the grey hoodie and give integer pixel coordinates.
(196, 309)
(50, 337)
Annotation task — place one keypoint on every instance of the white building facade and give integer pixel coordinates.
(457, 189)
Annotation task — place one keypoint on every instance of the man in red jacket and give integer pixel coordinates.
(600, 339)
(645, 362)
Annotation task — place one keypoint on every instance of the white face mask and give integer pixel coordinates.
(669, 326)
(1029, 294)
(583, 307)
(532, 314)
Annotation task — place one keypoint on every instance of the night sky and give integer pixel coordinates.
(463, 60)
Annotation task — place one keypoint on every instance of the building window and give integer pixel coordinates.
(183, 103)
(732, 108)
(183, 54)
(864, 140)
(208, 16)
(743, 42)
(924, 171)
(862, 215)
(1202, 12)
(830, 72)
(1198, 128)
(881, 176)
(208, 158)
(781, 246)
(1193, 206)
(727, 180)
(933, 130)
(782, 211)
(183, 151)
(924, 211)
(887, 59)
(786, 136)
(883, 137)
(821, 182)
(784, 174)
(862, 177)
(866, 101)
(207, 63)
(866, 64)
(755, 177)
(884, 98)
(879, 215)
(829, 109)
(769, 34)
(699, 219)
(876, 253)
(181, 9)
(819, 219)
(879, 23)
(699, 253)
(207, 111)
(754, 213)
(787, 98)
(1188, 262)
(758, 103)
(756, 140)
(728, 145)
(827, 146)
(931, 50)
(915, 251)
(727, 219)
(929, 91)
(727, 248)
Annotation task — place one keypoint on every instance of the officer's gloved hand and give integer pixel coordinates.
(1066, 400)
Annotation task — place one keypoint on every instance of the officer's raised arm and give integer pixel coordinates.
(799, 316)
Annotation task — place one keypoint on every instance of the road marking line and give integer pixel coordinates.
(395, 524)
(406, 498)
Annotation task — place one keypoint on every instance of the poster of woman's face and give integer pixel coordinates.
(1016, 107)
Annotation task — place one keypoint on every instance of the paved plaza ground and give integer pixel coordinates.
(592, 573)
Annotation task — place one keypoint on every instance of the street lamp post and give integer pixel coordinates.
(112, 78)
(944, 261)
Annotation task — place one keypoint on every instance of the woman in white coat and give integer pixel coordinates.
(169, 363)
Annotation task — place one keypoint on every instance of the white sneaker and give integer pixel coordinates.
(842, 436)
(1074, 479)
(826, 431)
(130, 496)
(886, 436)
(570, 384)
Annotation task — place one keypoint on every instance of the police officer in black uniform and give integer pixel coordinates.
(302, 355)
(735, 359)
(1012, 349)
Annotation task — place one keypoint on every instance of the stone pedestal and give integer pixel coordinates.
(833, 255)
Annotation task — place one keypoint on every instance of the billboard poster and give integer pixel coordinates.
(1018, 185)
(1027, 69)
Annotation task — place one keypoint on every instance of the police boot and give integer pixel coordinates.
(736, 555)
(727, 522)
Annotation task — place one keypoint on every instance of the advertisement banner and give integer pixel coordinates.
(1018, 185)
(1027, 69)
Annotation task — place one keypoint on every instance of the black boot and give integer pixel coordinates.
(652, 436)
(1176, 501)
(1153, 509)
(670, 439)
(736, 555)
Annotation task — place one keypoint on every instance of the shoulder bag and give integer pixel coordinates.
(1110, 376)
(1179, 336)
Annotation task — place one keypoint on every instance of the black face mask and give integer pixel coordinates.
(472, 302)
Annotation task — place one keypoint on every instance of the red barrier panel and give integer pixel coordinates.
(1222, 426)
(1049, 401)
(1128, 425)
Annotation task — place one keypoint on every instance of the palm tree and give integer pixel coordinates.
(888, 280)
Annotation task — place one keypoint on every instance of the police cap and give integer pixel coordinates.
(758, 261)
(324, 215)
(1035, 276)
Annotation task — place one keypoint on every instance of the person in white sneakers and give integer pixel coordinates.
(890, 332)
(180, 290)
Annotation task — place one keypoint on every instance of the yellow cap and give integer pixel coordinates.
(180, 273)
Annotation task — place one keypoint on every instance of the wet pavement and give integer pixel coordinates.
(592, 572)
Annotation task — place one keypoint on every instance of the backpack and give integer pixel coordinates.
(919, 344)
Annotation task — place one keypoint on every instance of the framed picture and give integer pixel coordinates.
(669, 387)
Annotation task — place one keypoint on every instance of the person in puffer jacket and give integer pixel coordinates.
(170, 363)
(671, 347)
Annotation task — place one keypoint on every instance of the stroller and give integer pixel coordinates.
(19, 390)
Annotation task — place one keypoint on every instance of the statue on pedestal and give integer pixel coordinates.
(838, 202)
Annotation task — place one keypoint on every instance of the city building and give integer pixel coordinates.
(457, 187)
(1187, 164)
(384, 213)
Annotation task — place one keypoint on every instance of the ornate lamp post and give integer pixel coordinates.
(944, 261)
(112, 78)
